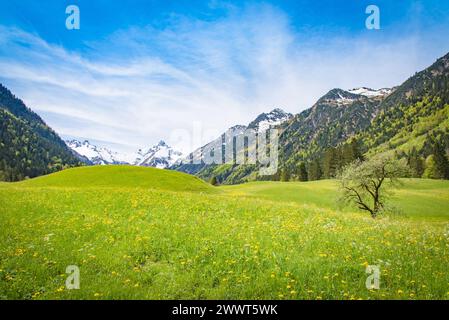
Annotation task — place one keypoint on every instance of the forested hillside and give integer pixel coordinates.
(411, 120)
(28, 147)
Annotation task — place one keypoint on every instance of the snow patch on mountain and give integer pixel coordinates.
(97, 155)
(159, 156)
(263, 122)
(271, 119)
(368, 92)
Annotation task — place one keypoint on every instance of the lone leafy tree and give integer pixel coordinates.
(363, 183)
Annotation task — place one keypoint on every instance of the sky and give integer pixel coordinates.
(137, 72)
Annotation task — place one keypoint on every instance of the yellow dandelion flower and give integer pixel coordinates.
(60, 289)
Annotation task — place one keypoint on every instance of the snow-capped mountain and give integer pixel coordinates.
(341, 98)
(266, 120)
(368, 92)
(97, 155)
(159, 156)
(338, 97)
(262, 122)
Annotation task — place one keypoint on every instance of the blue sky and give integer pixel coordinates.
(140, 71)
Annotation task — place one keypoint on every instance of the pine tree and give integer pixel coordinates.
(314, 172)
(431, 171)
(302, 171)
(285, 175)
(441, 160)
(331, 163)
(213, 181)
(416, 163)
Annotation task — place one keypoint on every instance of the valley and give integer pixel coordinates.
(144, 233)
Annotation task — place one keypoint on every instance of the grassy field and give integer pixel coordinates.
(144, 233)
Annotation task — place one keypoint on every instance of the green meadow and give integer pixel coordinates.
(145, 233)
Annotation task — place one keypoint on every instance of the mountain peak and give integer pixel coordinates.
(270, 119)
(338, 97)
(278, 110)
(338, 93)
(160, 155)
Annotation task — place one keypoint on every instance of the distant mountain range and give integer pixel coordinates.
(160, 156)
(192, 163)
(410, 120)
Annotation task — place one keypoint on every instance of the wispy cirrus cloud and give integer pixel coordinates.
(142, 84)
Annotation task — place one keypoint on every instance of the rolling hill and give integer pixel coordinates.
(120, 176)
(133, 238)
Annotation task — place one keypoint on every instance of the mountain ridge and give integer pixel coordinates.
(354, 122)
(160, 155)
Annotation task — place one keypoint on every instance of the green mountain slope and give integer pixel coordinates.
(417, 110)
(28, 147)
(335, 118)
(411, 122)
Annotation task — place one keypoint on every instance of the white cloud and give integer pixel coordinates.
(145, 84)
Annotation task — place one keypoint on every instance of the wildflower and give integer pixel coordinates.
(19, 252)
